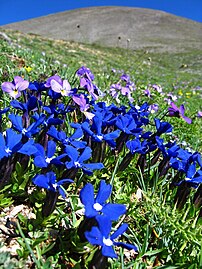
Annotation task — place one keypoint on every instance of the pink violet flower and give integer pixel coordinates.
(153, 108)
(199, 114)
(15, 88)
(63, 88)
(174, 111)
(84, 106)
(157, 88)
(147, 92)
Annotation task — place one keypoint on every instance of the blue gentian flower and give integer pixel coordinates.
(95, 131)
(101, 236)
(162, 127)
(46, 121)
(44, 158)
(193, 176)
(17, 124)
(29, 148)
(136, 146)
(77, 160)
(59, 109)
(95, 206)
(37, 86)
(48, 181)
(168, 150)
(65, 140)
(31, 104)
(10, 144)
(127, 124)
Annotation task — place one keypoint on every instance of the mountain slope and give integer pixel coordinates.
(125, 27)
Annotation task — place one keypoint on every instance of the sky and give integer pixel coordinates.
(18, 10)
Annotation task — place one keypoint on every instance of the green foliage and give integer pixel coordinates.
(166, 237)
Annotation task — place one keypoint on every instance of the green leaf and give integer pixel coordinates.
(153, 252)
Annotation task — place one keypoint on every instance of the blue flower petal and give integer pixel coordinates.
(108, 251)
(103, 193)
(94, 236)
(39, 161)
(126, 245)
(93, 166)
(87, 195)
(119, 231)
(114, 211)
(72, 153)
(51, 148)
(12, 138)
(41, 181)
(28, 148)
(104, 224)
(86, 154)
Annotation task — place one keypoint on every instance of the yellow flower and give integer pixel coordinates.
(28, 68)
(188, 94)
(180, 92)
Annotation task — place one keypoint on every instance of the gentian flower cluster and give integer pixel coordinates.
(104, 213)
(65, 131)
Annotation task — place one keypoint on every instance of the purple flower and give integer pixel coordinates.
(63, 88)
(85, 71)
(172, 97)
(84, 106)
(147, 93)
(153, 108)
(174, 111)
(15, 88)
(157, 88)
(125, 78)
(199, 114)
(56, 78)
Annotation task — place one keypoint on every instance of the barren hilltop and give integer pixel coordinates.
(125, 27)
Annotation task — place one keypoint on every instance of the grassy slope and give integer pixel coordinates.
(179, 73)
(156, 225)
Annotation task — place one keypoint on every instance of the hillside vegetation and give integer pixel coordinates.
(39, 228)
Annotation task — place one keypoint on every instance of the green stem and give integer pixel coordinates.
(28, 246)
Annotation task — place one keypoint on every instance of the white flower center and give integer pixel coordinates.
(100, 137)
(107, 241)
(77, 164)
(55, 186)
(7, 150)
(24, 131)
(48, 160)
(137, 107)
(97, 207)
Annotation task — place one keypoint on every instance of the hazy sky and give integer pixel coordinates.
(17, 10)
